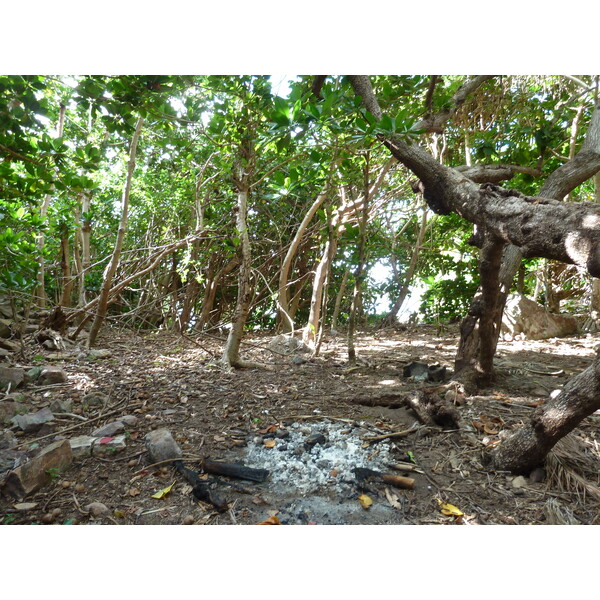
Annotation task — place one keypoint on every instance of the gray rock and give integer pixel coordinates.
(109, 429)
(52, 375)
(5, 329)
(95, 399)
(519, 482)
(312, 440)
(533, 321)
(96, 509)
(107, 445)
(8, 409)
(11, 459)
(286, 344)
(81, 446)
(39, 471)
(298, 360)
(100, 353)
(7, 439)
(161, 446)
(62, 406)
(9, 345)
(11, 376)
(32, 422)
(129, 420)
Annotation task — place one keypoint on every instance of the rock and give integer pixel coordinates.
(5, 329)
(52, 375)
(8, 410)
(96, 509)
(109, 445)
(11, 459)
(161, 446)
(81, 446)
(110, 429)
(32, 422)
(62, 406)
(8, 345)
(11, 376)
(33, 374)
(95, 399)
(314, 439)
(25, 506)
(298, 360)
(286, 344)
(420, 371)
(129, 420)
(7, 439)
(519, 482)
(100, 353)
(523, 316)
(39, 471)
(4, 353)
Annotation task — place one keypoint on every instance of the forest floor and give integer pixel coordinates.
(265, 417)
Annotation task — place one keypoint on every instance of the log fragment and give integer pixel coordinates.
(365, 475)
(234, 470)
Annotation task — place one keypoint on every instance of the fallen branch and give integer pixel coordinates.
(397, 434)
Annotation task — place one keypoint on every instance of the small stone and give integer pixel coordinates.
(519, 482)
(95, 399)
(81, 446)
(298, 360)
(62, 406)
(100, 353)
(52, 375)
(48, 518)
(96, 509)
(110, 429)
(32, 422)
(161, 446)
(7, 439)
(25, 506)
(109, 445)
(11, 376)
(79, 487)
(129, 420)
(189, 520)
(312, 440)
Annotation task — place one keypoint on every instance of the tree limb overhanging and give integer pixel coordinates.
(539, 226)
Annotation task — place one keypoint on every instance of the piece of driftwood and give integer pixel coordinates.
(234, 470)
(404, 467)
(366, 475)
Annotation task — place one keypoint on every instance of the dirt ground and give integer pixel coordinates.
(173, 382)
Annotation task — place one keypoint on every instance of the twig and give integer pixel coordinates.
(397, 434)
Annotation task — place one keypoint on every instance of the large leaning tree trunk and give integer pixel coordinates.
(111, 269)
(539, 227)
(559, 184)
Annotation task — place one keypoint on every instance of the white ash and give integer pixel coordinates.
(323, 467)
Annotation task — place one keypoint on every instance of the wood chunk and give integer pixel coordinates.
(234, 470)
(365, 475)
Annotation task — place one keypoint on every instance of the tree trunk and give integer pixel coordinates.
(284, 316)
(540, 227)
(359, 275)
(392, 316)
(338, 300)
(231, 352)
(111, 269)
(528, 447)
(40, 291)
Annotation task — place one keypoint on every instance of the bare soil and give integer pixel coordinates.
(173, 382)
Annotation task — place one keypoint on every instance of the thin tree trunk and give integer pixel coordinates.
(40, 291)
(284, 316)
(338, 300)
(359, 276)
(111, 269)
(231, 352)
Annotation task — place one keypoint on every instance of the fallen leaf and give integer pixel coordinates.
(365, 501)
(134, 492)
(334, 473)
(162, 493)
(23, 506)
(272, 429)
(271, 521)
(449, 509)
(119, 513)
(270, 443)
(392, 499)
